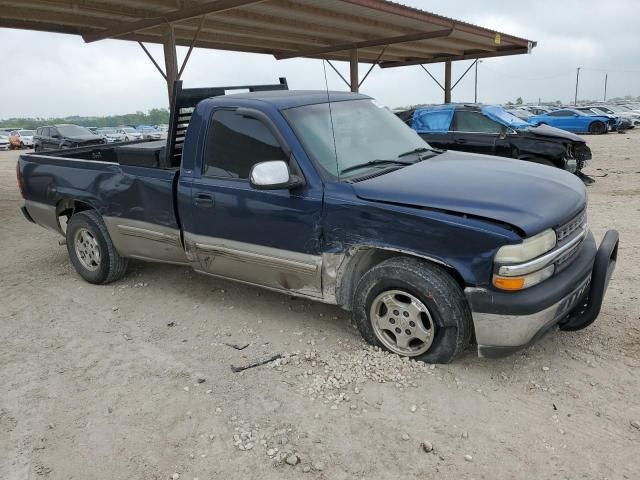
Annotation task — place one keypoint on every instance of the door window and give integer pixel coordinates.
(475, 122)
(235, 143)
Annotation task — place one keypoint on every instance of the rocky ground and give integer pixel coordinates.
(143, 379)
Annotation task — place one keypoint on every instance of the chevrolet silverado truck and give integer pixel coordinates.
(331, 197)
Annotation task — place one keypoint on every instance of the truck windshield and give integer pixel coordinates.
(365, 133)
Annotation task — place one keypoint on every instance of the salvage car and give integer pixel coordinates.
(617, 122)
(329, 196)
(632, 116)
(57, 137)
(491, 130)
(21, 139)
(573, 120)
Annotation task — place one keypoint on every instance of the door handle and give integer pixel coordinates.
(461, 140)
(203, 200)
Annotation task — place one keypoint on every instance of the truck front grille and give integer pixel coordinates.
(566, 233)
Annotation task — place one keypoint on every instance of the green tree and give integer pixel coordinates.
(519, 101)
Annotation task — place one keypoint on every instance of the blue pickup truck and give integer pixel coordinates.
(331, 197)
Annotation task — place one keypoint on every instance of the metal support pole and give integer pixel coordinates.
(170, 58)
(575, 99)
(606, 75)
(353, 61)
(475, 95)
(447, 82)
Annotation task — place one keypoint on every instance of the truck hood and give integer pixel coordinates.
(526, 195)
(548, 131)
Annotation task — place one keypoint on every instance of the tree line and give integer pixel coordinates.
(154, 116)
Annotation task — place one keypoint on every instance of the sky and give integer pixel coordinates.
(46, 75)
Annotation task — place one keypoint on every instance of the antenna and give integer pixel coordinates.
(333, 133)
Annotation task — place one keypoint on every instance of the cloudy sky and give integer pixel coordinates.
(55, 75)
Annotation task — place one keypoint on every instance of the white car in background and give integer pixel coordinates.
(111, 135)
(4, 140)
(130, 134)
(163, 129)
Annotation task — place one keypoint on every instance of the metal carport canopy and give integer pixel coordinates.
(359, 31)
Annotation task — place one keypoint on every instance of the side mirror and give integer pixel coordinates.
(273, 175)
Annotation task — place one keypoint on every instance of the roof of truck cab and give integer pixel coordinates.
(283, 99)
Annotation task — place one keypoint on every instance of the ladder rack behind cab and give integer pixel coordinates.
(183, 103)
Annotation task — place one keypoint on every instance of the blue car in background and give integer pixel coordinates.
(492, 130)
(576, 121)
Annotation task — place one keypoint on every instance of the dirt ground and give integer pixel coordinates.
(103, 382)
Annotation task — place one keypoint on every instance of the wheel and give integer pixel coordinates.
(91, 250)
(413, 308)
(597, 128)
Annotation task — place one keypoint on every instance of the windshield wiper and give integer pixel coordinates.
(373, 163)
(419, 150)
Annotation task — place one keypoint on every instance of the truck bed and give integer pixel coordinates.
(94, 177)
(144, 153)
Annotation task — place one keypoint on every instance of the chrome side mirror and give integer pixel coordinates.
(273, 175)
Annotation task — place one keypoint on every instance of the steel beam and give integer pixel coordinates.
(171, 17)
(413, 37)
(447, 82)
(353, 70)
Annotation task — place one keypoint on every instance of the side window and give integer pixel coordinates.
(235, 143)
(53, 131)
(464, 121)
(561, 113)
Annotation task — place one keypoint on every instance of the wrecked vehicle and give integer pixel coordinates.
(338, 202)
(492, 130)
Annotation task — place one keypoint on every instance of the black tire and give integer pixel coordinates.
(597, 128)
(431, 285)
(111, 265)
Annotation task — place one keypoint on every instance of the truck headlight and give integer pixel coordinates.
(514, 271)
(531, 247)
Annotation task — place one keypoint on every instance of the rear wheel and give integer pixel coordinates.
(91, 250)
(413, 308)
(597, 128)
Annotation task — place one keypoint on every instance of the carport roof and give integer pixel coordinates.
(382, 32)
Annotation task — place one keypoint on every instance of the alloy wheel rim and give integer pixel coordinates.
(402, 323)
(87, 249)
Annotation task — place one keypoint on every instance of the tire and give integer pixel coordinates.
(411, 285)
(91, 250)
(597, 128)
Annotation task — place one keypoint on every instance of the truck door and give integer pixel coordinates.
(263, 237)
(473, 132)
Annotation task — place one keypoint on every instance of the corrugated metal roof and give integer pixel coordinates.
(283, 28)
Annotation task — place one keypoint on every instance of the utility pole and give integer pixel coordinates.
(575, 99)
(606, 75)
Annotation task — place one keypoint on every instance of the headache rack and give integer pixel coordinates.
(184, 101)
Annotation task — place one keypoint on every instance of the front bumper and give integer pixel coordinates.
(506, 322)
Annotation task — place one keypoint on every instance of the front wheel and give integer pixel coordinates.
(413, 308)
(91, 250)
(597, 128)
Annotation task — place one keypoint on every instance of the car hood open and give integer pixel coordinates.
(526, 195)
(548, 131)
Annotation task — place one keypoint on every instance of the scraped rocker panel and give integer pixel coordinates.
(256, 264)
(146, 241)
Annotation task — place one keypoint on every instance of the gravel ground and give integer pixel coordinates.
(134, 380)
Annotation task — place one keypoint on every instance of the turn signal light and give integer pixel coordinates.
(509, 283)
